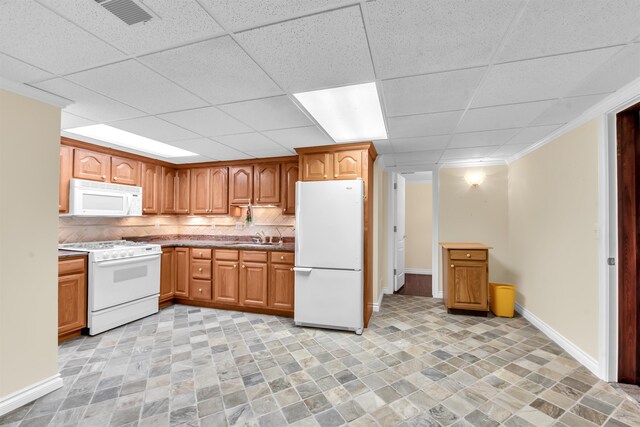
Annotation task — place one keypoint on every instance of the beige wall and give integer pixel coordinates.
(418, 215)
(553, 239)
(29, 149)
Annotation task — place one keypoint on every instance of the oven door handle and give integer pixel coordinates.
(126, 260)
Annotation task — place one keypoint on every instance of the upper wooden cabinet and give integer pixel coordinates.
(316, 166)
(183, 177)
(465, 276)
(209, 191)
(288, 193)
(66, 167)
(347, 164)
(175, 191)
(151, 188)
(266, 183)
(219, 190)
(240, 185)
(91, 165)
(125, 171)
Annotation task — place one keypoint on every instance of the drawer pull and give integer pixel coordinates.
(235, 265)
(199, 254)
(200, 290)
(200, 269)
(452, 265)
(282, 257)
(468, 255)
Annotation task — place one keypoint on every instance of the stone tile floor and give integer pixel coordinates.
(414, 366)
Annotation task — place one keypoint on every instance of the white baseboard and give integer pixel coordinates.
(387, 291)
(377, 304)
(418, 270)
(589, 362)
(437, 294)
(29, 394)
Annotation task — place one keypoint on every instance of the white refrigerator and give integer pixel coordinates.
(329, 254)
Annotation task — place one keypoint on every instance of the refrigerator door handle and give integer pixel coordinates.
(302, 269)
(297, 233)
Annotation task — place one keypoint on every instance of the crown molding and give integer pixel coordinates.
(34, 93)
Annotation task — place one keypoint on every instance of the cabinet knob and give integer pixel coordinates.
(468, 255)
(115, 178)
(291, 269)
(199, 253)
(452, 265)
(242, 265)
(144, 209)
(200, 269)
(200, 290)
(235, 265)
(282, 257)
(325, 175)
(335, 175)
(104, 176)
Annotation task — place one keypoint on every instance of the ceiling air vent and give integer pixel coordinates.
(129, 11)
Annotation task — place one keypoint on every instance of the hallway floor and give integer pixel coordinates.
(417, 285)
(414, 366)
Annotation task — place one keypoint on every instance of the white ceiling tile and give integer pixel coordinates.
(308, 136)
(614, 74)
(567, 109)
(88, 103)
(262, 154)
(550, 27)
(423, 124)
(34, 34)
(19, 71)
(179, 22)
(467, 153)
(268, 113)
(507, 151)
(419, 157)
(532, 134)
(218, 70)
(211, 149)
(538, 79)
(502, 117)
(192, 159)
(318, 51)
(430, 93)
(417, 36)
(248, 142)
(383, 146)
(208, 121)
(423, 143)
(482, 139)
(136, 85)
(154, 128)
(68, 121)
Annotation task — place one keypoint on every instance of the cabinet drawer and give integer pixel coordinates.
(201, 269)
(70, 266)
(201, 289)
(474, 254)
(198, 253)
(282, 257)
(227, 254)
(254, 256)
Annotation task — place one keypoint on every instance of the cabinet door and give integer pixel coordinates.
(167, 274)
(347, 164)
(182, 273)
(125, 171)
(91, 165)
(469, 283)
(169, 191)
(289, 179)
(66, 170)
(219, 190)
(182, 191)
(151, 186)
(317, 167)
(281, 287)
(266, 183)
(254, 278)
(200, 191)
(240, 185)
(72, 303)
(226, 282)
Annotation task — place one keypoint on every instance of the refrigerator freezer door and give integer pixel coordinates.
(329, 224)
(329, 299)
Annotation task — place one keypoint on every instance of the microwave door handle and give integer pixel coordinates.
(129, 200)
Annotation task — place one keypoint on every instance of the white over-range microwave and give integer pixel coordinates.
(90, 198)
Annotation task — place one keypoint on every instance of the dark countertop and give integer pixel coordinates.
(69, 254)
(220, 242)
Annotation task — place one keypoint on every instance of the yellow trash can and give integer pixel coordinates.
(502, 299)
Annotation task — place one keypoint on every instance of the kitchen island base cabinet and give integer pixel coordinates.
(72, 297)
(465, 276)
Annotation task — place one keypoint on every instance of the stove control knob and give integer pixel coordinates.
(130, 252)
(123, 254)
(114, 254)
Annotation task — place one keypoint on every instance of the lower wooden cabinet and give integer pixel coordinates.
(72, 297)
(182, 261)
(465, 276)
(167, 275)
(281, 287)
(226, 282)
(254, 279)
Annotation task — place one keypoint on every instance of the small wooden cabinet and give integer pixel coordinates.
(465, 276)
(201, 285)
(167, 275)
(125, 171)
(91, 165)
(182, 266)
(316, 166)
(151, 188)
(66, 167)
(241, 185)
(175, 191)
(288, 193)
(72, 297)
(209, 191)
(266, 183)
(347, 164)
(254, 279)
(226, 277)
(281, 281)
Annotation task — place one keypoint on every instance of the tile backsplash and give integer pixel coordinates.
(73, 229)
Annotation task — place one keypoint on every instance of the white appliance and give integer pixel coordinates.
(90, 198)
(124, 282)
(329, 254)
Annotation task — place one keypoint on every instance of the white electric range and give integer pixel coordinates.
(123, 281)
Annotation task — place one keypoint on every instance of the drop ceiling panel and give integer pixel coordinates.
(307, 136)
(614, 74)
(154, 128)
(482, 139)
(19, 71)
(430, 93)
(567, 109)
(532, 134)
(424, 143)
(211, 149)
(319, 51)
(423, 124)
(177, 22)
(248, 142)
(417, 36)
(502, 117)
(208, 121)
(34, 34)
(538, 79)
(218, 70)
(88, 103)
(549, 27)
(383, 146)
(507, 151)
(419, 157)
(467, 153)
(134, 84)
(68, 121)
(268, 113)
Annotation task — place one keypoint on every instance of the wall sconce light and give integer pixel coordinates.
(475, 178)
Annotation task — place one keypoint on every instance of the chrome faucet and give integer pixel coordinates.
(280, 241)
(261, 236)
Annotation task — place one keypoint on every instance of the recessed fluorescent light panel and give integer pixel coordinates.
(348, 113)
(130, 140)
